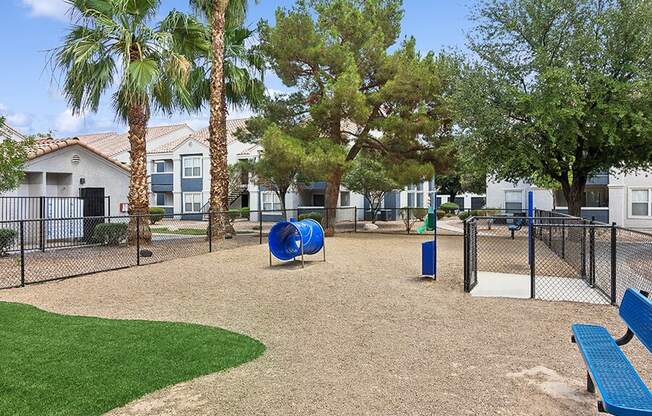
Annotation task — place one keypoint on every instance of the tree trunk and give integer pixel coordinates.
(281, 196)
(219, 193)
(331, 197)
(138, 198)
(574, 194)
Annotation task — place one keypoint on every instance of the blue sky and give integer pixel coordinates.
(31, 101)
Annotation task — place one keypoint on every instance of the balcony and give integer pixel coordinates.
(162, 182)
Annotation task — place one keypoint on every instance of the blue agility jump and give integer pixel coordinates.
(291, 239)
(622, 391)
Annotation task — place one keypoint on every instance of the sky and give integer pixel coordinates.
(31, 101)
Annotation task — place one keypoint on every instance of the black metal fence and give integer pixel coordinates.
(15, 208)
(556, 257)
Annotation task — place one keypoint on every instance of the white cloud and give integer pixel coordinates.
(57, 9)
(67, 122)
(19, 120)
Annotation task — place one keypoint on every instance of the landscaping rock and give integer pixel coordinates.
(370, 227)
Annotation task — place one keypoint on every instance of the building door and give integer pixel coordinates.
(93, 209)
(318, 200)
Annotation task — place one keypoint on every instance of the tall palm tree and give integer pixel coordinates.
(113, 47)
(235, 78)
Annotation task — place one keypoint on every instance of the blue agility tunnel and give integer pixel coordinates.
(291, 239)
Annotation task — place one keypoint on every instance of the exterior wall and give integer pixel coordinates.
(620, 198)
(54, 174)
(543, 198)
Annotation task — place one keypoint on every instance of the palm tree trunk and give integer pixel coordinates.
(138, 198)
(219, 194)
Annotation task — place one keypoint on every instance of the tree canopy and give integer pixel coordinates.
(13, 155)
(560, 90)
(357, 87)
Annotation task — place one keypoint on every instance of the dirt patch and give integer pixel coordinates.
(359, 334)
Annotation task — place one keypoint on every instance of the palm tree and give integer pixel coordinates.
(112, 47)
(235, 78)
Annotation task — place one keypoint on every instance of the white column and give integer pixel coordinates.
(176, 184)
(617, 204)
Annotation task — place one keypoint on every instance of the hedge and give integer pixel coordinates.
(311, 215)
(110, 234)
(156, 214)
(7, 237)
(449, 207)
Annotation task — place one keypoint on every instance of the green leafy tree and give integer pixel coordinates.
(372, 179)
(13, 155)
(561, 90)
(281, 164)
(232, 74)
(113, 46)
(356, 87)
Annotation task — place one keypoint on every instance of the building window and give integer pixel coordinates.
(345, 198)
(192, 202)
(595, 196)
(640, 202)
(192, 167)
(415, 195)
(318, 200)
(160, 199)
(159, 166)
(513, 200)
(271, 202)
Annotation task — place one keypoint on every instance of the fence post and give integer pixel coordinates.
(355, 219)
(138, 240)
(260, 226)
(22, 253)
(592, 254)
(613, 263)
(210, 231)
(408, 220)
(41, 237)
(532, 266)
(466, 257)
(563, 238)
(583, 249)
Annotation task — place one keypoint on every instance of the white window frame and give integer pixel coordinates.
(414, 190)
(187, 159)
(273, 203)
(505, 191)
(630, 201)
(193, 196)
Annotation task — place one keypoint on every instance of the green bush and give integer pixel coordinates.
(244, 212)
(465, 214)
(317, 216)
(110, 234)
(7, 237)
(485, 212)
(156, 214)
(415, 213)
(440, 214)
(449, 207)
(234, 213)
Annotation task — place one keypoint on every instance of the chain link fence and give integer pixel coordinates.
(556, 257)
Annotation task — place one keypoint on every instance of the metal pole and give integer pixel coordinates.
(613, 263)
(355, 219)
(532, 267)
(41, 223)
(260, 226)
(466, 257)
(408, 220)
(138, 240)
(563, 238)
(303, 264)
(22, 253)
(210, 230)
(592, 255)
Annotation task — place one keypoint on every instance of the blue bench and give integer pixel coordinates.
(516, 223)
(621, 389)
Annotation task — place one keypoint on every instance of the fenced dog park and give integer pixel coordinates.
(361, 332)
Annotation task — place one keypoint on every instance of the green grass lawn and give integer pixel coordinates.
(178, 231)
(69, 365)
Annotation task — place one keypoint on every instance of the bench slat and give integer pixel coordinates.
(636, 311)
(622, 390)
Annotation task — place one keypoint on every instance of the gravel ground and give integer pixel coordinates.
(361, 334)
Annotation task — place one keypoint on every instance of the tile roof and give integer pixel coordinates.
(118, 143)
(92, 138)
(45, 146)
(203, 134)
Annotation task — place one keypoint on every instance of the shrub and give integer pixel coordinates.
(440, 214)
(110, 234)
(7, 237)
(465, 214)
(244, 212)
(449, 207)
(419, 213)
(156, 214)
(234, 213)
(311, 215)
